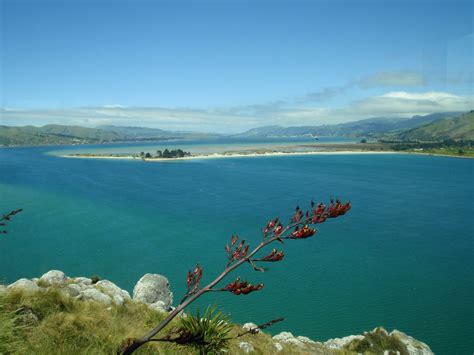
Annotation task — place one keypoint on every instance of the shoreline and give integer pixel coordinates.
(253, 155)
(224, 156)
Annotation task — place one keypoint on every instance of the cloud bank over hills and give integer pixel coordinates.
(239, 118)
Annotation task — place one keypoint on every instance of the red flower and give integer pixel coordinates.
(244, 288)
(275, 255)
(234, 239)
(302, 233)
(193, 278)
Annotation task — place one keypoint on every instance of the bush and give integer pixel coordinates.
(209, 333)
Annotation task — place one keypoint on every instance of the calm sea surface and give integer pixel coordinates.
(402, 258)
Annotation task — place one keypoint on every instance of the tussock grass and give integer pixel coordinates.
(58, 324)
(69, 326)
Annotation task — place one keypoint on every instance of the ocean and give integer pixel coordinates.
(401, 258)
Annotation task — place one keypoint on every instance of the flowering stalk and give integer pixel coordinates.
(6, 218)
(238, 254)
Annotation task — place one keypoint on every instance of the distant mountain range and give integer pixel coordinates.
(372, 127)
(437, 126)
(59, 134)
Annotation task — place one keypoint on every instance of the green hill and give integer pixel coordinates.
(53, 134)
(457, 128)
(61, 134)
(371, 127)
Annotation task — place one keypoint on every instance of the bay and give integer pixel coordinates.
(402, 258)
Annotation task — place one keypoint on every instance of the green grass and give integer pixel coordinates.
(68, 326)
(455, 151)
(49, 322)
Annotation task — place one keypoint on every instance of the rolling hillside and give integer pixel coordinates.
(457, 128)
(361, 128)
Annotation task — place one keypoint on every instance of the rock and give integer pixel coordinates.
(249, 326)
(305, 340)
(414, 347)
(287, 337)
(246, 347)
(3, 289)
(112, 289)
(26, 316)
(152, 288)
(340, 343)
(118, 300)
(283, 336)
(53, 277)
(94, 294)
(72, 290)
(159, 306)
(278, 347)
(24, 284)
(83, 280)
(296, 342)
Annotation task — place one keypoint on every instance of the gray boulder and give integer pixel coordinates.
(83, 280)
(340, 343)
(94, 294)
(246, 347)
(287, 337)
(112, 289)
(152, 288)
(305, 340)
(118, 300)
(414, 347)
(54, 277)
(24, 284)
(249, 326)
(72, 290)
(278, 347)
(159, 306)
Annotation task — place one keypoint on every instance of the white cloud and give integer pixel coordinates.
(237, 119)
(401, 103)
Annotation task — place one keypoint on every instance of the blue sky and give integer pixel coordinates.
(232, 65)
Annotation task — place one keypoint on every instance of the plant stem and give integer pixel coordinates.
(136, 343)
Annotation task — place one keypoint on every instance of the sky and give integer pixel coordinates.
(227, 66)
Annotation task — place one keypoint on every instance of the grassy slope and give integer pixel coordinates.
(53, 134)
(68, 326)
(450, 128)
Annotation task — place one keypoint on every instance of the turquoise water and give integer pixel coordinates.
(402, 258)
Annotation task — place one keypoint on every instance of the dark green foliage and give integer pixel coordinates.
(166, 154)
(448, 143)
(95, 279)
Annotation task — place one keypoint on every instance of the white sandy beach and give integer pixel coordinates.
(228, 155)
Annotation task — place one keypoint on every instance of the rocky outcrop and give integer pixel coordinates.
(251, 326)
(246, 347)
(53, 277)
(24, 284)
(154, 290)
(414, 347)
(341, 343)
(380, 340)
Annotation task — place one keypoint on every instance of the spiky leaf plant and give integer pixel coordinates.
(209, 333)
